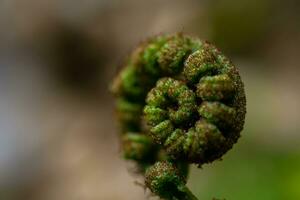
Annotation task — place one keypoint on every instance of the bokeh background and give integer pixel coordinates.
(58, 134)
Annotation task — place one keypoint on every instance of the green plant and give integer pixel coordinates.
(179, 101)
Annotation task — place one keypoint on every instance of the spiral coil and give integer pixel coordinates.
(179, 100)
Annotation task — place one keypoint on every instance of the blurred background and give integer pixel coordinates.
(58, 134)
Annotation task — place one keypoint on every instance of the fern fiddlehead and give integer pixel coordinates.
(179, 101)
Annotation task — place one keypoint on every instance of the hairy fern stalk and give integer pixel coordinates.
(179, 101)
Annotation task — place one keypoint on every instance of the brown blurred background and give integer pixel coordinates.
(58, 135)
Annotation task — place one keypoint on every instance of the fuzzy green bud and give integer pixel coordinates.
(187, 97)
(164, 180)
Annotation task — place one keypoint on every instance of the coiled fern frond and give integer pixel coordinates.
(179, 101)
